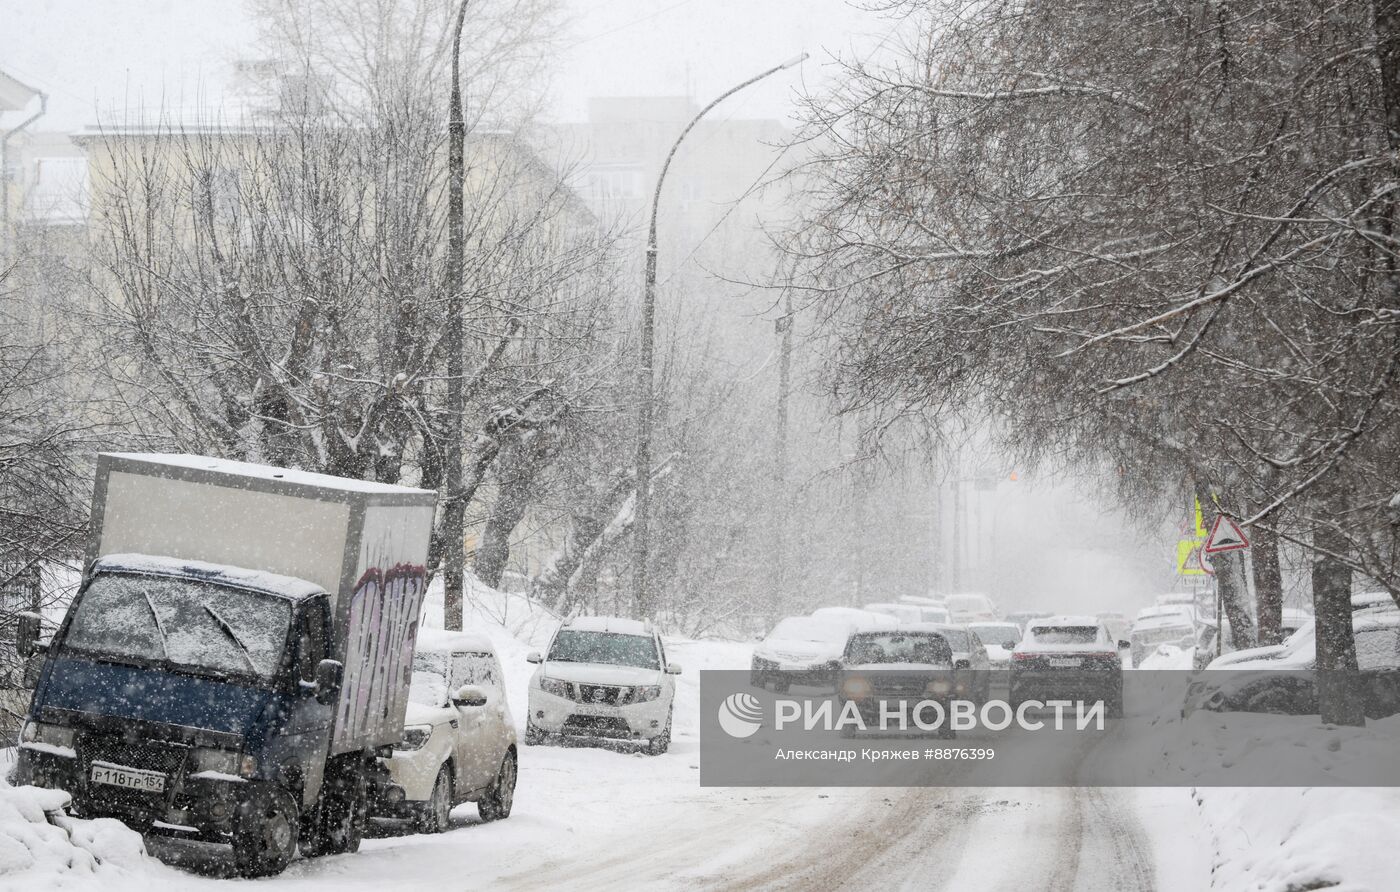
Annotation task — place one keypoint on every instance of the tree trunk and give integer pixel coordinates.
(1234, 597)
(1337, 693)
(585, 528)
(1268, 585)
(518, 474)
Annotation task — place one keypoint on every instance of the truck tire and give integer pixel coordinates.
(433, 815)
(265, 834)
(500, 796)
(344, 810)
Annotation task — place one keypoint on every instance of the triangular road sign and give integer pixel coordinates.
(1225, 535)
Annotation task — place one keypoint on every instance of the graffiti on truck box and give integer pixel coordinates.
(382, 628)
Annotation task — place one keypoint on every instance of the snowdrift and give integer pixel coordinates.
(40, 844)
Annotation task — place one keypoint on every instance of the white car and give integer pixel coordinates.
(603, 677)
(859, 620)
(806, 650)
(971, 608)
(904, 613)
(459, 739)
(999, 639)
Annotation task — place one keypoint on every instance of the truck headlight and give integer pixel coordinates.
(415, 736)
(212, 760)
(41, 732)
(647, 692)
(555, 686)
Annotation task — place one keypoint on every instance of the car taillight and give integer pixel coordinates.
(1022, 656)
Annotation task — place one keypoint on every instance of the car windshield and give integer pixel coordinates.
(614, 648)
(185, 623)
(796, 628)
(427, 688)
(1378, 648)
(997, 635)
(1065, 634)
(957, 639)
(898, 647)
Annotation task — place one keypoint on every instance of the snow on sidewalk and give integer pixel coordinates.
(41, 847)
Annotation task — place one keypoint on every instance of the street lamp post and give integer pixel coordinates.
(641, 596)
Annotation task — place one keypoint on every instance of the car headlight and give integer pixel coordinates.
(41, 732)
(855, 688)
(415, 736)
(643, 693)
(554, 686)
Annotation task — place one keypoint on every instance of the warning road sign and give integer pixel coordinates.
(1225, 535)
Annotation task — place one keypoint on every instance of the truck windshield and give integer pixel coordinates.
(180, 622)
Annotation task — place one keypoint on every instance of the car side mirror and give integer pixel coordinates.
(469, 695)
(1124, 645)
(330, 675)
(673, 669)
(534, 657)
(27, 635)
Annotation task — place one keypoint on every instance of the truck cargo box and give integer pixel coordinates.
(364, 543)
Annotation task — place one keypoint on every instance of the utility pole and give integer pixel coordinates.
(780, 450)
(643, 601)
(455, 510)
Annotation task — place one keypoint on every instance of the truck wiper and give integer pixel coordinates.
(160, 630)
(233, 636)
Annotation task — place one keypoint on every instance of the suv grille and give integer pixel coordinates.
(168, 759)
(608, 695)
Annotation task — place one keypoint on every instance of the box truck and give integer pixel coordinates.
(237, 655)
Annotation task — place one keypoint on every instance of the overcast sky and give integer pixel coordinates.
(176, 53)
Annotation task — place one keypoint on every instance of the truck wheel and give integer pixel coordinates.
(435, 813)
(344, 807)
(499, 798)
(265, 834)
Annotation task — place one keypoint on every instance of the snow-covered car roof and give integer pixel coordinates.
(1064, 620)
(1371, 599)
(264, 472)
(219, 574)
(613, 624)
(443, 641)
(1164, 617)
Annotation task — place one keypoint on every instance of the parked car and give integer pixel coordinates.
(931, 610)
(1372, 600)
(1206, 643)
(603, 678)
(999, 639)
(804, 650)
(908, 664)
(459, 739)
(904, 613)
(1068, 658)
(1285, 682)
(1171, 624)
(971, 664)
(1116, 623)
(856, 618)
(971, 608)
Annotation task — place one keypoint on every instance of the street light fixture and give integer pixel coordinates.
(641, 597)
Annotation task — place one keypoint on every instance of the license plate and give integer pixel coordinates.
(1064, 662)
(129, 778)
(594, 709)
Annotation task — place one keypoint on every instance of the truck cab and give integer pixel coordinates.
(237, 656)
(188, 697)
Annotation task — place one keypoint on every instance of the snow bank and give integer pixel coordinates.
(1169, 656)
(42, 844)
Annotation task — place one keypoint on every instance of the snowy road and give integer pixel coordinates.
(590, 818)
